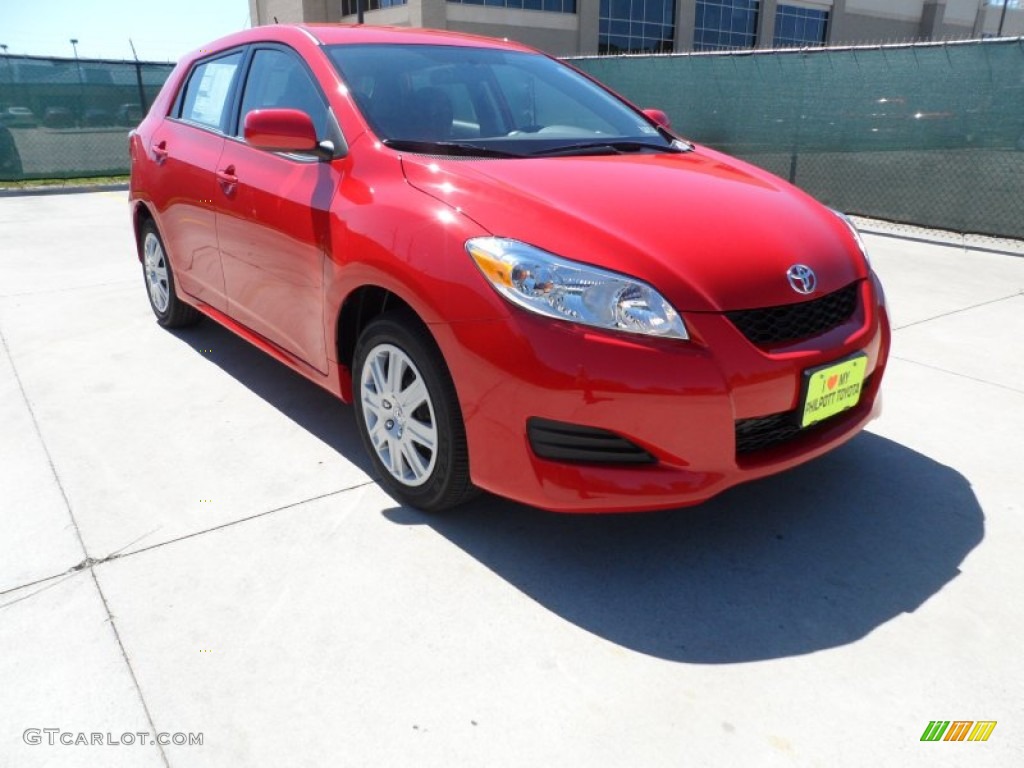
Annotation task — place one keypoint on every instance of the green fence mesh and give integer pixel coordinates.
(929, 134)
(69, 118)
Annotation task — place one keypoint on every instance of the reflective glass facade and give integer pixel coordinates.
(556, 6)
(795, 26)
(724, 24)
(348, 7)
(637, 26)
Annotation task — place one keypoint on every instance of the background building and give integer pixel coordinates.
(565, 27)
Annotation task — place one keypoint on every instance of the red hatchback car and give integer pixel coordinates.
(522, 282)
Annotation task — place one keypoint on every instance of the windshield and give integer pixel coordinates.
(504, 103)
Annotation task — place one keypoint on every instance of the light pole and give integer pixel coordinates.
(78, 67)
(1002, 18)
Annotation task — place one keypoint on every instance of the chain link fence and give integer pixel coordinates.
(927, 134)
(69, 118)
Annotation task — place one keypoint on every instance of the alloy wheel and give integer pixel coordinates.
(399, 414)
(155, 266)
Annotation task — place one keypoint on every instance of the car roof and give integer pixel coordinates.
(335, 34)
(331, 34)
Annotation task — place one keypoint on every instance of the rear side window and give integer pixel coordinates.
(208, 89)
(279, 80)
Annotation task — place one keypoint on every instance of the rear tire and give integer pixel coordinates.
(408, 414)
(170, 311)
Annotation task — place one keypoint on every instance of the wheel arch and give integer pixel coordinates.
(359, 308)
(140, 215)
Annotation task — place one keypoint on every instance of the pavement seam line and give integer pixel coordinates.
(955, 373)
(9, 590)
(131, 669)
(49, 581)
(962, 309)
(91, 562)
(240, 520)
(42, 442)
(81, 542)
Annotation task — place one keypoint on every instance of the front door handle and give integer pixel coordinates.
(226, 176)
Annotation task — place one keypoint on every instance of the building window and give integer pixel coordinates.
(637, 26)
(796, 26)
(349, 7)
(725, 24)
(556, 6)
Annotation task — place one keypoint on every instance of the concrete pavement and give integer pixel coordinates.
(190, 544)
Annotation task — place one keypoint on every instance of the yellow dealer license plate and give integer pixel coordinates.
(832, 389)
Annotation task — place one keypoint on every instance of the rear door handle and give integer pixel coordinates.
(227, 176)
(160, 151)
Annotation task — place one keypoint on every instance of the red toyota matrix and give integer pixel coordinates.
(520, 281)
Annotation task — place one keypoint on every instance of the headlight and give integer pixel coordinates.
(856, 235)
(864, 252)
(555, 287)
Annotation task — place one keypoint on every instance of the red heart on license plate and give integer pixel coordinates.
(832, 381)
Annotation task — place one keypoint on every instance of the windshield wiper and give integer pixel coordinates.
(606, 147)
(445, 148)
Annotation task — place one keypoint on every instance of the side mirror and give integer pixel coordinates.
(659, 117)
(281, 130)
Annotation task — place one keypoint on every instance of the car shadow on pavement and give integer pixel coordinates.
(311, 407)
(811, 559)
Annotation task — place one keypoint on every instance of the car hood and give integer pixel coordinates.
(709, 232)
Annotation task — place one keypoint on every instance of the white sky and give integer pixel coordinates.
(162, 30)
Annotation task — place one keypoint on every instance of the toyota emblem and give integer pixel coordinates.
(802, 278)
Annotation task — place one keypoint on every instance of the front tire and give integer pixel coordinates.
(408, 414)
(170, 311)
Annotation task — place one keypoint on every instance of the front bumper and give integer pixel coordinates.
(678, 401)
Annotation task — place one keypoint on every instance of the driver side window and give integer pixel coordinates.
(278, 80)
(536, 104)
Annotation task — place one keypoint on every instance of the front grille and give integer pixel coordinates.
(755, 434)
(775, 325)
(559, 441)
(768, 431)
